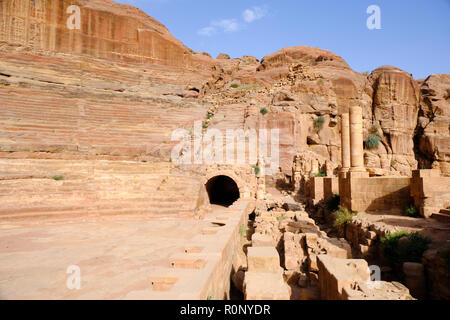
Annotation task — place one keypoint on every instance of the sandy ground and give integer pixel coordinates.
(115, 256)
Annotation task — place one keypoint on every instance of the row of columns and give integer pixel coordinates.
(352, 141)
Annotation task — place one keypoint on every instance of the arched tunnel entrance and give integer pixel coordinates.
(222, 190)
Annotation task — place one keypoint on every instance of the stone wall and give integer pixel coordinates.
(316, 192)
(430, 191)
(67, 189)
(375, 194)
(349, 279)
(229, 260)
(330, 187)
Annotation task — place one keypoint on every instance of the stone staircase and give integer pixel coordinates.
(32, 189)
(443, 216)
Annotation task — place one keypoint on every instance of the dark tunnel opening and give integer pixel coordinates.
(222, 190)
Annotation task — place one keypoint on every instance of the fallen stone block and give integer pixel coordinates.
(334, 248)
(266, 286)
(335, 274)
(294, 254)
(379, 290)
(262, 240)
(263, 259)
(292, 207)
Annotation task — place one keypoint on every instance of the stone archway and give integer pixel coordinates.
(222, 190)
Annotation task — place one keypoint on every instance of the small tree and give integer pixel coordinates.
(403, 247)
(342, 218)
(320, 174)
(411, 211)
(257, 170)
(264, 111)
(373, 141)
(374, 138)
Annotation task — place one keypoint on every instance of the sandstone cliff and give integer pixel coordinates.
(119, 86)
(107, 30)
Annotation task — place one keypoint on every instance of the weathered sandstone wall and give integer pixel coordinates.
(108, 30)
(121, 54)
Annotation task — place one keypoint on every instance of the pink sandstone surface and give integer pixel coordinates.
(97, 106)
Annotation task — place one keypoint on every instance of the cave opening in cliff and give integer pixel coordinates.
(222, 190)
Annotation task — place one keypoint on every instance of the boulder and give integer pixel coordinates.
(223, 56)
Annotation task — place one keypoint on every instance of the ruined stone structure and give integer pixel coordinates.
(90, 108)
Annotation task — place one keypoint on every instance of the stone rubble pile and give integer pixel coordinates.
(315, 266)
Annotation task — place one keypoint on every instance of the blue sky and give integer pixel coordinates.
(414, 35)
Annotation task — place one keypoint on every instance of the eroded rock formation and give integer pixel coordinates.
(297, 85)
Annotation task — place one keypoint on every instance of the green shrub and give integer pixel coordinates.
(411, 211)
(448, 208)
(319, 122)
(205, 126)
(403, 247)
(264, 111)
(389, 245)
(58, 178)
(209, 115)
(257, 169)
(234, 86)
(282, 217)
(333, 203)
(321, 174)
(373, 141)
(342, 217)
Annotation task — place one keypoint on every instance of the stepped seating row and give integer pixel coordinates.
(37, 121)
(63, 189)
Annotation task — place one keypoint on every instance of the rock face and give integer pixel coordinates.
(107, 30)
(433, 140)
(396, 102)
(117, 87)
(90, 103)
(223, 56)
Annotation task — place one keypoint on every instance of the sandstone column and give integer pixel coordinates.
(261, 181)
(356, 140)
(345, 142)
